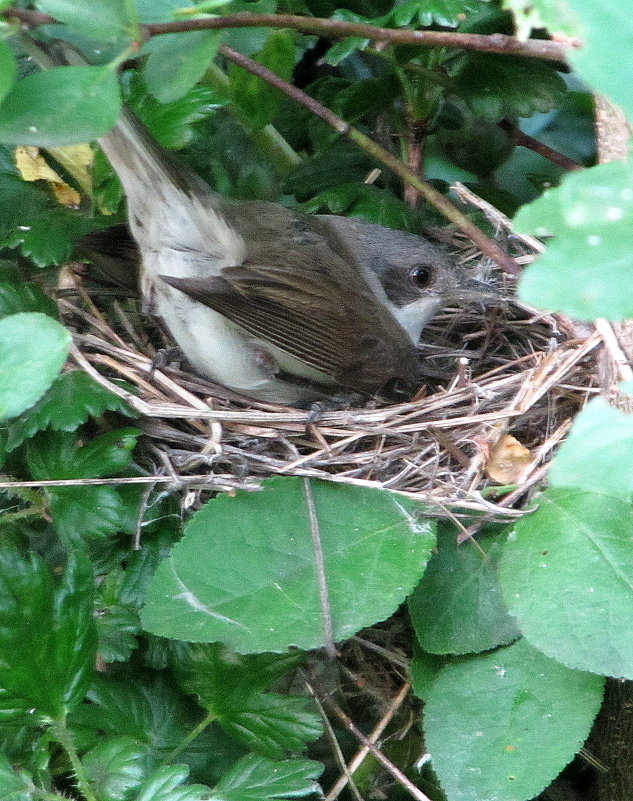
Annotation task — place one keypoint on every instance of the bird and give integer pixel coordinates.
(277, 305)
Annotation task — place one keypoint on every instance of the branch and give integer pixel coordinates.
(529, 142)
(339, 29)
(488, 246)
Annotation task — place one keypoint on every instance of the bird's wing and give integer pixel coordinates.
(310, 317)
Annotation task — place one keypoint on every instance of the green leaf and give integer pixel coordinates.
(61, 106)
(342, 164)
(254, 586)
(14, 785)
(272, 724)
(432, 12)
(221, 678)
(47, 634)
(33, 349)
(158, 10)
(554, 15)
(148, 708)
(567, 576)
(341, 50)
(161, 529)
(598, 453)
(26, 746)
(177, 62)
(165, 784)
(230, 687)
(424, 670)
(587, 270)
(117, 767)
(8, 69)
(457, 607)
(117, 627)
(496, 86)
(24, 297)
(33, 221)
(607, 28)
(107, 21)
(171, 123)
(503, 725)
(255, 778)
(140, 708)
(255, 98)
(58, 454)
(93, 512)
(368, 203)
(71, 401)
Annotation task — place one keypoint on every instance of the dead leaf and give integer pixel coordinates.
(32, 166)
(508, 460)
(76, 159)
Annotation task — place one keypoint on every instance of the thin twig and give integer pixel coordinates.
(338, 29)
(523, 140)
(212, 480)
(604, 328)
(142, 508)
(398, 775)
(336, 748)
(360, 756)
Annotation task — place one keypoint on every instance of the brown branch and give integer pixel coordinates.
(431, 195)
(523, 140)
(358, 759)
(28, 16)
(416, 130)
(490, 43)
(488, 246)
(337, 29)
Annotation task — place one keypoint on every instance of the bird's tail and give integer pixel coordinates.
(143, 166)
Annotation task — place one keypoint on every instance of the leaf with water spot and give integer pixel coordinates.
(244, 573)
(567, 577)
(502, 725)
(587, 269)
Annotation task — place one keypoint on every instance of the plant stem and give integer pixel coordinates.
(267, 139)
(195, 732)
(134, 22)
(338, 29)
(529, 142)
(488, 43)
(64, 738)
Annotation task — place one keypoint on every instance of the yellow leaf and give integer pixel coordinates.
(77, 161)
(507, 461)
(33, 167)
(66, 195)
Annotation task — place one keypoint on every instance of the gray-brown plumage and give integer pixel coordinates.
(272, 303)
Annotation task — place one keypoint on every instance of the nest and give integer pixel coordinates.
(509, 379)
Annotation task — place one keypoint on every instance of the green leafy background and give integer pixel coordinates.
(177, 669)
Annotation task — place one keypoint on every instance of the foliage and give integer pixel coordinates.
(200, 635)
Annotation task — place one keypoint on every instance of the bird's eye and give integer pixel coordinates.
(422, 275)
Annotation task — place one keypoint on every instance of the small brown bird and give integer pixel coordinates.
(274, 304)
